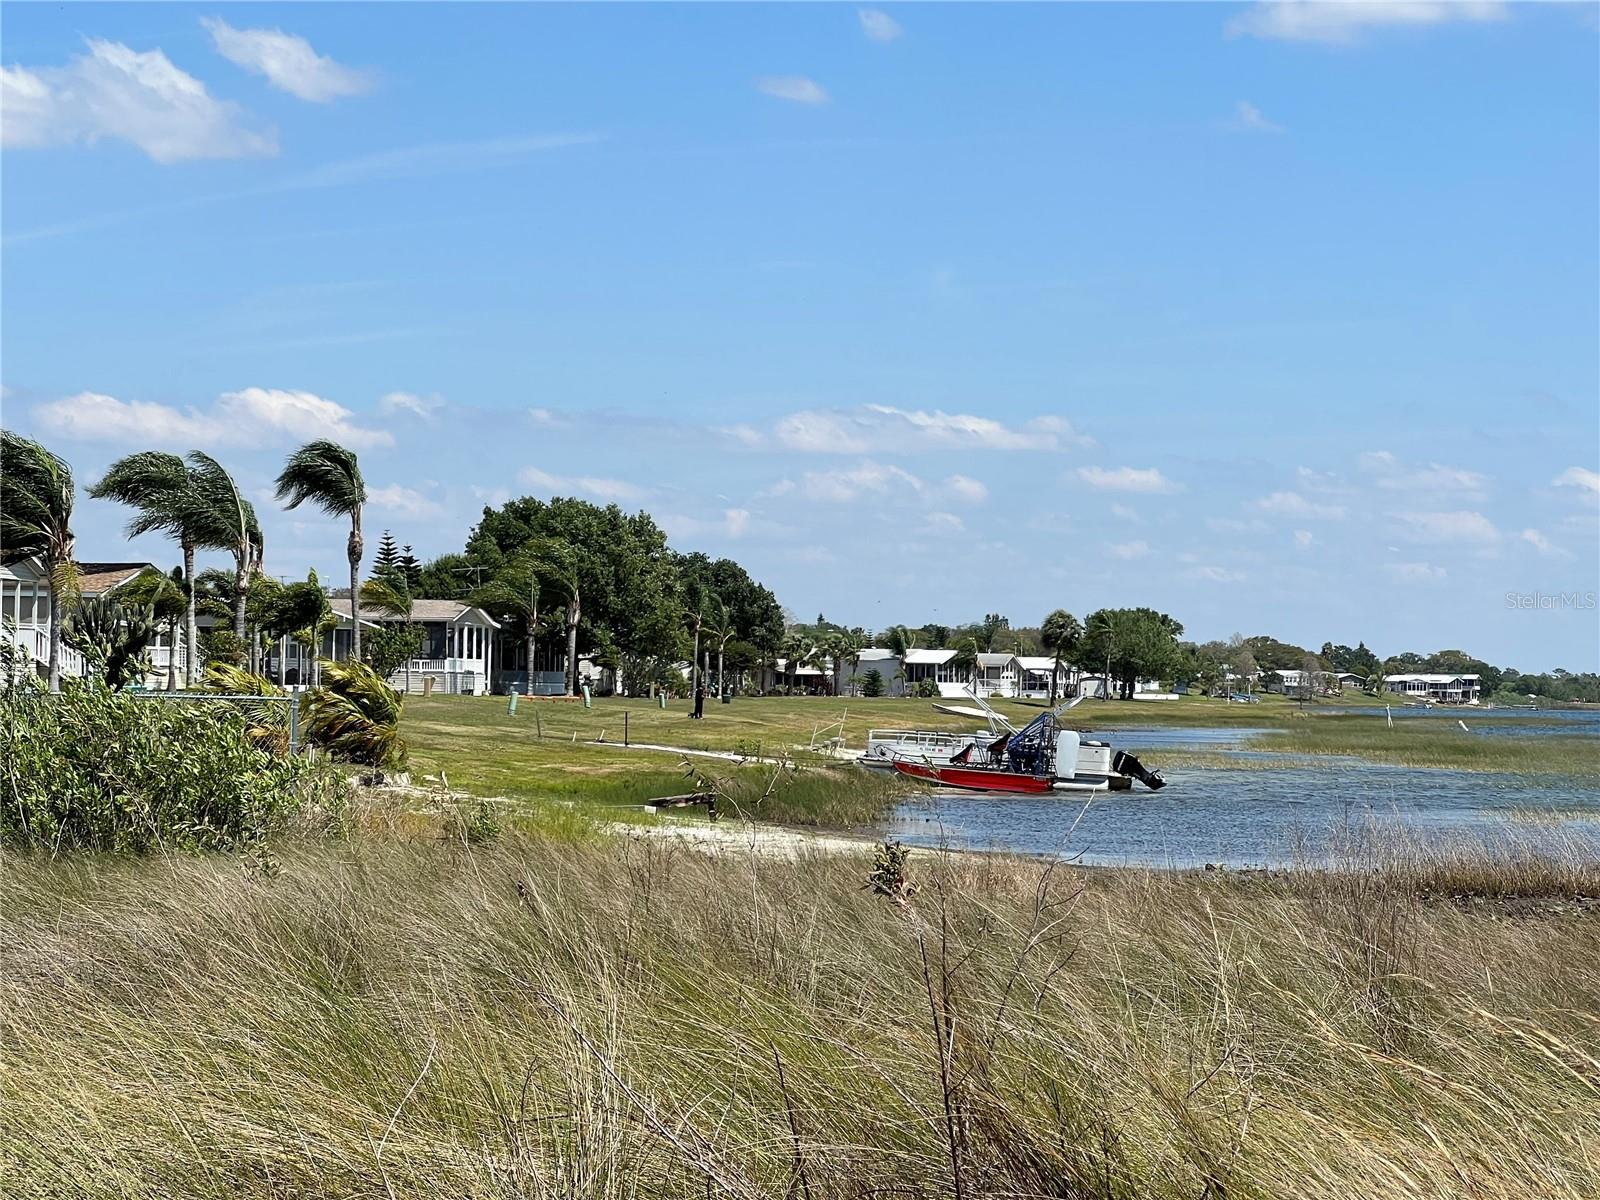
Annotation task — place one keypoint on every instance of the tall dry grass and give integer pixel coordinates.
(400, 1016)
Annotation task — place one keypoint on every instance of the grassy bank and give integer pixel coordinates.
(406, 1016)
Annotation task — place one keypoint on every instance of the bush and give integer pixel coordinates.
(927, 689)
(356, 716)
(95, 770)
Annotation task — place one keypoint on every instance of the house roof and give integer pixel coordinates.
(876, 654)
(97, 578)
(1036, 662)
(994, 660)
(1430, 678)
(448, 611)
(930, 657)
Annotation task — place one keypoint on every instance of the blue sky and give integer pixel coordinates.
(1280, 318)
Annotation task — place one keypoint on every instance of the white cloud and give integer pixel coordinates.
(1414, 572)
(1303, 538)
(943, 522)
(1542, 544)
(1126, 513)
(735, 521)
(819, 432)
(1214, 574)
(404, 501)
(1128, 551)
(845, 485)
(1318, 481)
(238, 418)
(741, 435)
(1457, 526)
(1127, 479)
(546, 418)
(792, 87)
(1340, 22)
(1578, 477)
(1247, 118)
(1293, 504)
(1234, 525)
(288, 62)
(967, 488)
(878, 26)
(410, 402)
(1390, 472)
(600, 488)
(115, 92)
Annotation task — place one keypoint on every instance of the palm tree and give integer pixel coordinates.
(329, 476)
(229, 523)
(965, 658)
(163, 488)
(1060, 634)
(720, 626)
(36, 495)
(515, 591)
(168, 600)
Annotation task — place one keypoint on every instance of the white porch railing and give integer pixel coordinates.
(34, 641)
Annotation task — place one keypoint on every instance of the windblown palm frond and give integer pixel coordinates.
(326, 474)
(156, 486)
(35, 502)
(379, 596)
(265, 725)
(355, 716)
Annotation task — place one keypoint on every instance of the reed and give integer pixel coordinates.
(398, 1014)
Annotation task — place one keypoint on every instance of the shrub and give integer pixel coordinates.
(927, 689)
(872, 683)
(355, 715)
(97, 770)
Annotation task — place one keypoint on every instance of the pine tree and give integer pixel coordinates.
(411, 567)
(386, 563)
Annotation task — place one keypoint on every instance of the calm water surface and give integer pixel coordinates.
(1256, 816)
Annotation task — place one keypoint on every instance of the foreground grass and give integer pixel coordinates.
(407, 1016)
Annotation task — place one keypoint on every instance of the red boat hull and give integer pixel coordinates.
(975, 779)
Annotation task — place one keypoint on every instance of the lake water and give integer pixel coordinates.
(1261, 815)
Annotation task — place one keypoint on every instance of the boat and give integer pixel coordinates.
(1038, 758)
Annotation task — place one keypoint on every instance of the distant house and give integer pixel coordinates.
(1033, 677)
(996, 675)
(25, 612)
(458, 647)
(885, 662)
(1347, 679)
(934, 665)
(1436, 689)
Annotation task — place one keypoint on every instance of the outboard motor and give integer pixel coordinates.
(1126, 764)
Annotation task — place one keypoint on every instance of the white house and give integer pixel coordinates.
(1033, 677)
(457, 649)
(996, 675)
(25, 613)
(935, 665)
(1436, 689)
(885, 662)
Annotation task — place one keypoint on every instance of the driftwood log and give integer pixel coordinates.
(709, 799)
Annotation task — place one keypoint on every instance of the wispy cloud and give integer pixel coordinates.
(1127, 479)
(1580, 479)
(879, 26)
(967, 488)
(132, 96)
(1414, 572)
(406, 162)
(409, 402)
(242, 418)
(842, 486)
(1214, 574)
(1342, 22)
(404, 501)
(590, 485)
(886, 428)
(287, 61)
(1128, 551)
(1388, 471)
(1247, 118)
(1542, 544)
(795, 88)
(1458, 526)
(1293, 504)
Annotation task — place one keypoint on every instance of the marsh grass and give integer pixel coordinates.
(399, 1014)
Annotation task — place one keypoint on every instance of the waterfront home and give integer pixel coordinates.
(935, 666)
(882, 660)
(25, 613)
(996, 675)
(1435, 689)
(1034, 672)
(458, 647)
